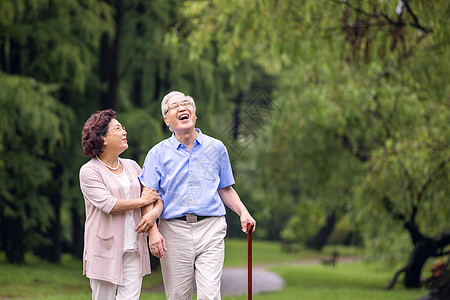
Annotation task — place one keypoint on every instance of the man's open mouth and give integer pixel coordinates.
(183, 117)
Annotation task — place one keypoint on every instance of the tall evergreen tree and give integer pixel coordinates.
(50, 47)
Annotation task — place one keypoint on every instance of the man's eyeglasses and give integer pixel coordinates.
(184, 103)
(118, 128)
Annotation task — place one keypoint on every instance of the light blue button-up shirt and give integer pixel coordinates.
(188, 181)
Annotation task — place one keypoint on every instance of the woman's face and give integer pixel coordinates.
(115, 138)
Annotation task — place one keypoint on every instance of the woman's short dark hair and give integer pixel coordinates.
(94, 130)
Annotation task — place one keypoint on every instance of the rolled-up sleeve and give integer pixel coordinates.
(150, 175)
(225, 171)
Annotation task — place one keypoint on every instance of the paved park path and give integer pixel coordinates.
(234, 280)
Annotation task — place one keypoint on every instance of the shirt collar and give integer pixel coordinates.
(200, 136)
(176, 143)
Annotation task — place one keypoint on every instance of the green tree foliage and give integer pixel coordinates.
(153, 62)
(33, 125)
(63, 49)
(53, 41)
(50, 47)
(364, 95)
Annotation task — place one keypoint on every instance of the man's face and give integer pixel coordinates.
(180, 115)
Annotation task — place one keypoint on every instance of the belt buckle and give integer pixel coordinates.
(191, 218)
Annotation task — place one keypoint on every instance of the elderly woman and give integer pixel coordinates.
(115, 256)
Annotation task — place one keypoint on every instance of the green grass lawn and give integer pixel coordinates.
(350, 281)
(342, 282)
(265, 253)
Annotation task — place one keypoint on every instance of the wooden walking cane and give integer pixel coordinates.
(249, 279)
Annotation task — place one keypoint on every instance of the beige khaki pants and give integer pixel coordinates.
(132, 282)
(194, 250)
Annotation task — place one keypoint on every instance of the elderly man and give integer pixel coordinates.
(192, 173)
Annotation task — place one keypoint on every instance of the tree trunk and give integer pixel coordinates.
(109, 61)
(14, 240)
(11, 59)
(53, 251)
(77, 234)
(423, 249)
(231, 216)
(320, 239)
(138, 72)
(421, 252)
(137, 88)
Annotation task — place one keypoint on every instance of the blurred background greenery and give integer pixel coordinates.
(335, 114)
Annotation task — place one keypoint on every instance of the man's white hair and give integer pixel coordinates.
(167, 97)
